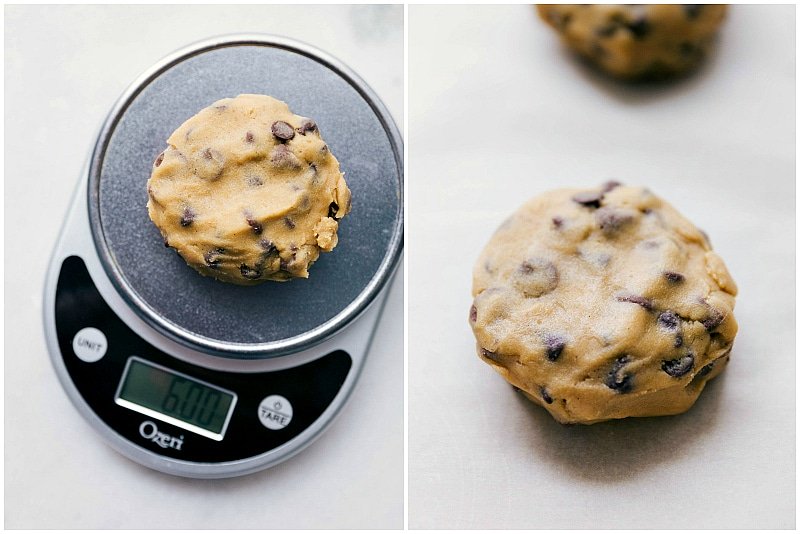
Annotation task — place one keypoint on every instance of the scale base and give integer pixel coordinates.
(91, 344)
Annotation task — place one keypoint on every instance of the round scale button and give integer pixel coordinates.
(275, 412)
(89, 344)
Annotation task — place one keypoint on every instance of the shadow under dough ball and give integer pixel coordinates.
(603, 304)
(247, 191)
(637, 42)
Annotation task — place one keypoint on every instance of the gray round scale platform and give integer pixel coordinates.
(272, 318)
(283, 357)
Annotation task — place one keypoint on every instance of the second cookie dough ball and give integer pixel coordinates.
(637, 41)
(603, 304)
(247, 191)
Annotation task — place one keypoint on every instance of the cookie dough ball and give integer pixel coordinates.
(641, 41)
(603, 304)
(247, 192)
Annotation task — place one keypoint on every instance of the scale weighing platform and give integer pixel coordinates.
(188, 375)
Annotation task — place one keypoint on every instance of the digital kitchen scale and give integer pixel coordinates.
(180, 372)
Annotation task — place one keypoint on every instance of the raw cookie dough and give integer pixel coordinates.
(247, 192)
(602, 304)
(637, 41)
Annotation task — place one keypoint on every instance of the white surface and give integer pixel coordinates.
(497, 114)
(65, 66)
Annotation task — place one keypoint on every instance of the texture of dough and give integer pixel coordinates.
(247, 192)
(637, 41)
(603, 304)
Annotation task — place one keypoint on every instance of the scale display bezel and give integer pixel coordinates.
(131, 405)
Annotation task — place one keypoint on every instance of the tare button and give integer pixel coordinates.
(275, 412)
(89, 344)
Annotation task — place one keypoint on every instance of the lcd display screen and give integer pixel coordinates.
(175, 398)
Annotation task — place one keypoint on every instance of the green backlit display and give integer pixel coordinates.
(176, 396)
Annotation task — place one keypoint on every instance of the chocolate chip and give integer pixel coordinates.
(560, 20)
(307, 126)
(254, 180)
(616, 379)
(713, 320)
(656, 70)
(678, 340)
(289, 223)
(610, 186)
(692, 10)
(606, 31)
(545, 395)
(333, 209)
(705, 370)
(717, 340)
(679, 366)
(282, 157)
(669, 320)
(255, 225)
(285, 263)
(535, 277)
(491, 355)
(166, 243)
(555, 345)
(673, 276)
(268, 246)
(282, 130)
(250, 274)
(323, 151)
(611, 220)
(639, 27)
(558, 222)
(210, 164)
(687, 49)
(158, 160)
(213, 257)
(248, 137)
(473, 314)
(187, 217)
(645, 303)
(590, 199)
(221, 107)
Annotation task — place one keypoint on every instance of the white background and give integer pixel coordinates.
(65, 67)
(497, 114)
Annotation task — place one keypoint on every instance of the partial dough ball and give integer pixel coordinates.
(247, 192)
(642, 41)
(603, 304)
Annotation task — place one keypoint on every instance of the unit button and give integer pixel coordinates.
(89, 344)
(275, 412)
